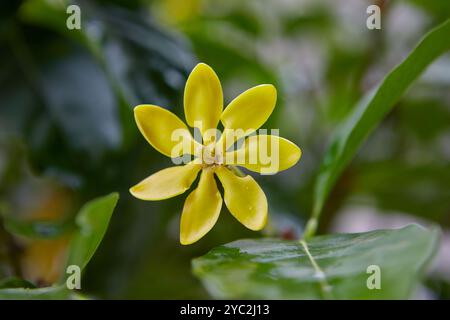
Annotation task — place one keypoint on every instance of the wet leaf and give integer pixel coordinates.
(331, 266)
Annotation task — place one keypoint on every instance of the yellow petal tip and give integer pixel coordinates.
(260, 226)
(297, 155)
(140, 107)
(300, 153)
(186, 242)
(270, 88)
(132, 191)
(135, 193)
(202, 65)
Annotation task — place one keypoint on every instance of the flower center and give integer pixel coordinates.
(211, 156)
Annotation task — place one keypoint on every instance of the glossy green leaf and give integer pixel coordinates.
(331, 266)
(92, 222)
(372, 109)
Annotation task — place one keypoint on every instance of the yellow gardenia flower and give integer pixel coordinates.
(203, 104)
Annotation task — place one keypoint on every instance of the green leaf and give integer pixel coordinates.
(79, 114)
(331, 266)
(91, 225)
(372, 109)
(36, 229)
(49, 293)
(92, 222)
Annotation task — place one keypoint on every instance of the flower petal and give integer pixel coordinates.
(201, 209)
(166, 183)
(248, 111)
(203, 99)
(164, 130)
(244, 199)
(266, 154)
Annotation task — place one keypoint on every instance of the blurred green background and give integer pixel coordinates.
(67, 132)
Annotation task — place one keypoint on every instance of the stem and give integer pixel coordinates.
(313, 223)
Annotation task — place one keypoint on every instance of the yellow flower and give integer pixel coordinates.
(203, 104)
